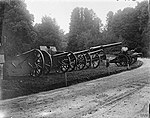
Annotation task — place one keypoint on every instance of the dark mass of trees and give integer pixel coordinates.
(130, 25)
(49, 33)
(17, 27)
(85, 29)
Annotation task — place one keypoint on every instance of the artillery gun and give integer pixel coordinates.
(30, 63)
(89, 58)
(38, 62)
(126, 58)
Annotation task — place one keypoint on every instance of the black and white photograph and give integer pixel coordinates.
(74, 58)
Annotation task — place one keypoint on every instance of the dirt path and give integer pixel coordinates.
(122, 95)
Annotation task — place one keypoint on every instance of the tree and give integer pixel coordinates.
(75, 22)
(130, 24)
(108, 34)
(84, 22)
(18, 28)
(109, 20)
(144, 27)
(2, 7)
(49, 33)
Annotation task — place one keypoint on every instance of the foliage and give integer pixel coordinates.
(129, 24)
(85, 26)
(109, 19)
(1, 17)
(18, 22)
(50, 33)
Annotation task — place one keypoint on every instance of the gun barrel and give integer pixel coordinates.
(81, 52)
(97, 51)
(105, 46)
(61, 54)
(27, 52)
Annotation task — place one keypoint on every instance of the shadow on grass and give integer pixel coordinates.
(107, 72)
(20, 86)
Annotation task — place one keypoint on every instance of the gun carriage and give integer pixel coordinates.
(38, 62)
(126, 58)
(29, 63)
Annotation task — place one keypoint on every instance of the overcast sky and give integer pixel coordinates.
(61, 9)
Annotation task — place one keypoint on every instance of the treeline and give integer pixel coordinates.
(85, 29)
(17, 27)
(129, 25)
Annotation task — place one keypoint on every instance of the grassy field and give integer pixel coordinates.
(19, 86)
(101, 71)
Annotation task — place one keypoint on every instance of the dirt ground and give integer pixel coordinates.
(123, 95)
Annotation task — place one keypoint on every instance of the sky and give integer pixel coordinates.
(61, 9)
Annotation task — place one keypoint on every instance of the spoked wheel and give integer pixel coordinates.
(117, 61)
(95, 60)
(64, 65)
(88, 61)
(37, 64)
(81, 62)
(123, 60)
(72, 62)
(129, 59)
(48, 62)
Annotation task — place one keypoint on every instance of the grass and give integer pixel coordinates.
(101, 71)
(19, 86)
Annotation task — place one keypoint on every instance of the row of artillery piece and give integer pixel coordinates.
(37, 62)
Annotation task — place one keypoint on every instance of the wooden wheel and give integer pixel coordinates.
(81, 62)
(64, 65)
(88, 61)
(48, 62)
(37, 63)
(72, 62)
(117, 61)
(95, 60)
(129, 59)
(123, 60)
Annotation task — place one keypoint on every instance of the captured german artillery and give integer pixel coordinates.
(126, 58)
(37, 62)
(70, 61)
